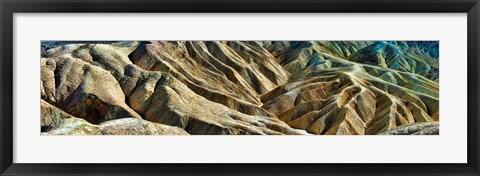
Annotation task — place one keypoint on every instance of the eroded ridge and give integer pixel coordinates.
(239, 87)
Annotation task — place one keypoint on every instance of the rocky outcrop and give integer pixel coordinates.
(83, 90)
(54, 121)
(398, 56)
(348, 101)
(230, 73)
(124, 126)
(155, 95)
(238, 87)
(426, 128)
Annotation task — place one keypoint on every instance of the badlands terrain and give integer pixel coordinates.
(239, 87)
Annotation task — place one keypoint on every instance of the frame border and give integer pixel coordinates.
(9, 7)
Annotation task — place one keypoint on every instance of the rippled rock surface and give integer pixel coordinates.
(239, 87)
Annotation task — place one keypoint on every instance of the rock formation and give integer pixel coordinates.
(239, 87)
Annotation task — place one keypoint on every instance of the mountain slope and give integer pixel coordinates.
(242, 87)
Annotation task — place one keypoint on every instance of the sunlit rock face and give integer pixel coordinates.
(239, 87)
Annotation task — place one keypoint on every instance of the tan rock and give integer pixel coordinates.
(423, 128)
(237, 87)
(84, 90)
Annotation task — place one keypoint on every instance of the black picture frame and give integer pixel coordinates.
(9, 7)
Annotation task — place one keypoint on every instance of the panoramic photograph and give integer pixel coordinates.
(239, 88)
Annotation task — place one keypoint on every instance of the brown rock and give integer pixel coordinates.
(84, 90)
(423, 128)
(237, 87)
